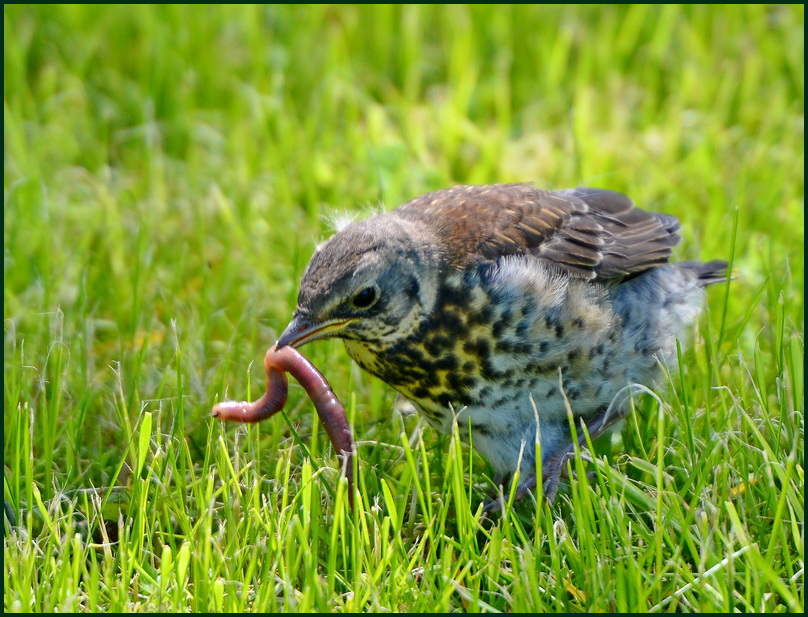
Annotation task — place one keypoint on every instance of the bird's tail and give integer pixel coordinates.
(707, 273)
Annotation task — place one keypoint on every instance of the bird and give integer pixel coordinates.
(503, 308)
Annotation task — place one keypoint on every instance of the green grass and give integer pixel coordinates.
(167, 171)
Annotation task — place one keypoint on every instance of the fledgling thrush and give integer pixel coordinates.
(493, 303)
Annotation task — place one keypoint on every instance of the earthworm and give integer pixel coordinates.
(277, 363)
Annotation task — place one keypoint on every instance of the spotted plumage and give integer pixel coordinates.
(497, 304)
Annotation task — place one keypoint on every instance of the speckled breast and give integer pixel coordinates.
(487, 347)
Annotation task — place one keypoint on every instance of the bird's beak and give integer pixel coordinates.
(301, 331)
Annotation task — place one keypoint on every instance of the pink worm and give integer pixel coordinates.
(277, 363)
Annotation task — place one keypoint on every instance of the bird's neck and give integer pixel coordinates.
(418, 363)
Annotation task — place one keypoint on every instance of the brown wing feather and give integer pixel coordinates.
(589, 233)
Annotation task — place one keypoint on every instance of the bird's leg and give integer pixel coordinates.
(556, 466)
(501, 479)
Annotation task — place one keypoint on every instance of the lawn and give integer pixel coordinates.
(168, 173)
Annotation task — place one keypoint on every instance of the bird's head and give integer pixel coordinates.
(373, 282)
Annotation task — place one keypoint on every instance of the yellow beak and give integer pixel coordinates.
(299, 331)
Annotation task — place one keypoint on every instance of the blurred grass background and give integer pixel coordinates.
(167, 170)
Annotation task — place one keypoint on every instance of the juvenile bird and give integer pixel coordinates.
(502, 304)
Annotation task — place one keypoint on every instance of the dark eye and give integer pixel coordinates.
(364, 298)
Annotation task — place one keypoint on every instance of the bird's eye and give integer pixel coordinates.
(364, 298)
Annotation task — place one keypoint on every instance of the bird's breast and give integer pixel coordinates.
(503, 343)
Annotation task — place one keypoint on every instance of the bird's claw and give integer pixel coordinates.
(553, 470)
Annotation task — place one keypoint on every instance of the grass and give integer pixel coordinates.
(167, 171)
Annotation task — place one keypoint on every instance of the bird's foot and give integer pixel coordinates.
(555, 467)
(552, 471)
(497, 502)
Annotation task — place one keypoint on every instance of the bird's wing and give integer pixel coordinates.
(589, 233)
